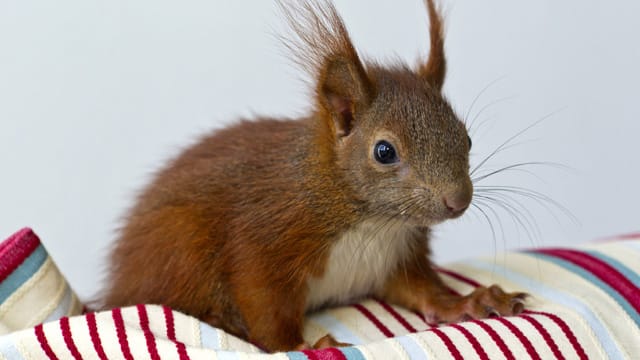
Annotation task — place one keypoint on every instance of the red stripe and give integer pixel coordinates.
(121, 332)
(44, 344)
(146, 330)
(397, 316)
(383, 329)
(567, 332)
(523, 339)
(325, 354)
(334, 354)
(310, 354)
(496, 338)
(459, 277)
(169, 322)
(602, 270)
(448, 343)
(95, 337)
(66, 335)
(631, 236)
(545, 335)
(171, 333)
(472, 340)
(15, 250)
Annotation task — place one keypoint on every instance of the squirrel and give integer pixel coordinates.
(261, 222)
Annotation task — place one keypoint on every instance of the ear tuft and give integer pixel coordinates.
(435, 69)
(321, 44)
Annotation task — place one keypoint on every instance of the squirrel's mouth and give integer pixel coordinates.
(434, 219)
(456, 213)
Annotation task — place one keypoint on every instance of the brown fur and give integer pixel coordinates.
(231, 230)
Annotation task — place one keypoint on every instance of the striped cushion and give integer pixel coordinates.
(585, 304)
(32, 290)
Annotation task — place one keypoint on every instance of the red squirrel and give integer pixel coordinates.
(261, 222)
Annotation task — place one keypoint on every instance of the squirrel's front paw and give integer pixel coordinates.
(482, 303)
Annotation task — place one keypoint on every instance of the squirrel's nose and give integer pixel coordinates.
(457, 202)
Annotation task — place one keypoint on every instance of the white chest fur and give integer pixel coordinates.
(360, 261)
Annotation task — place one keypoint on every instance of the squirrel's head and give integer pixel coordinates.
(389, 130)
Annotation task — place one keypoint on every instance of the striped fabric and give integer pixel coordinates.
(32, 290)
(585, 304)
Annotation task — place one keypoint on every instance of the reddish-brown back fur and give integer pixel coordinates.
(225, 221)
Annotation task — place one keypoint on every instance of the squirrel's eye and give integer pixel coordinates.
(385, 153)
(470, 143)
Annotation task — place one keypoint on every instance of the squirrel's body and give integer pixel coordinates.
(260, 222)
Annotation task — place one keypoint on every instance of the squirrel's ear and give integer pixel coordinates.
(344, 90)
(320, 43)
(436, 67)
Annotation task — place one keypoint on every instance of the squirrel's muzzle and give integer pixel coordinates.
(457, 199)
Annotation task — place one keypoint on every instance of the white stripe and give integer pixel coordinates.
(108, 335)
(53, 334)
(63, 306)
(135, 336)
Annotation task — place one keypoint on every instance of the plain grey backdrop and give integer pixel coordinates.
(96, 95)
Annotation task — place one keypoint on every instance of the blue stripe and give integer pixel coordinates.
(352, 353)
(8, 348)
(595, 281)
(622, 268)
(414, 350)
(336, 328)
(297, 355)
(570, 301)
(23, 273)
(209, 337)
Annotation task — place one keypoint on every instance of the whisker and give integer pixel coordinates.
(520, 219)
(518, 167)
(493, 82)
(491, 227)
(497, 218)
(386, 224)
(539, 197)
(513, 137)
(486, 107)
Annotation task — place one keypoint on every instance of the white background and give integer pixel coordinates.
(94, 95)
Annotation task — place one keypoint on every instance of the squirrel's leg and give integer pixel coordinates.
(416, 286)
(273, 318)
